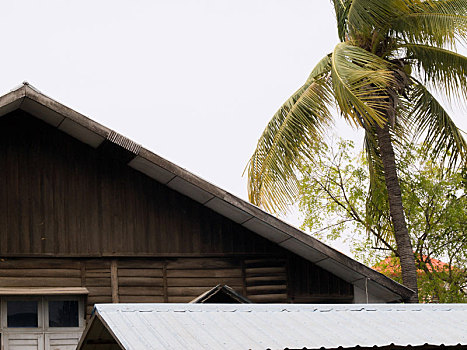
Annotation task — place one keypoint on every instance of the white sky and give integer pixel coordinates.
(195, 81)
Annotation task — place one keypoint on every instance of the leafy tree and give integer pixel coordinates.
(334, 201)
(377, 77)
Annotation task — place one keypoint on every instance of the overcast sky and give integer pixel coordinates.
(195, 81)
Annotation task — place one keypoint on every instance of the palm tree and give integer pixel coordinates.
(391, 52)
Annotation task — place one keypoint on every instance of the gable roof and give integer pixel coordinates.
(37, 104)
(221, 292)
(276, 326)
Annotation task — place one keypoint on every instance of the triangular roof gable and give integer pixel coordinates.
(221, 292)
(31, 100)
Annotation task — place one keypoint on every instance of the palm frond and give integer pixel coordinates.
(341, 9)
(366, 16)
(321, 68)
(432, 28)
(431, 121)
(444, 69)
(290, 136)
(455, 7)
(361, 80)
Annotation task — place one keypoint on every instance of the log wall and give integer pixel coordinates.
(174, 280)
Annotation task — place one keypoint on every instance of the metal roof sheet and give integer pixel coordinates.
(279, 326)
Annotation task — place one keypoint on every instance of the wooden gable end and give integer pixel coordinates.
(124, 236)
(61, 197)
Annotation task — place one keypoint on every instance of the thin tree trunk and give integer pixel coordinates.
(396, 210)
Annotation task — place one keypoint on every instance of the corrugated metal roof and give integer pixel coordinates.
(278, 326)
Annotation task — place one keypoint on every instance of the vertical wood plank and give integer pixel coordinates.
(290, 294)
(114, 280)
(60, 196)
(243, 278)
(4, 196)
(83, 273)
(164, 277)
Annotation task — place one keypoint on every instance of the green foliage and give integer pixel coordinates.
(292, 133)
(389, 51)
(335, 201)
(377, 78)
(441, 283)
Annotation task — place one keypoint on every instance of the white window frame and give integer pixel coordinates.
(81, 320)
(40, 312)
(43, 332)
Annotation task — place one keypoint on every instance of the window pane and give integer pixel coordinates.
(22, 313)
(63, 313)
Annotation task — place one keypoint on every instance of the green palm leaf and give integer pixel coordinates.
(368, 76)
(433, 28)
(292, 134)
(323, 67)
(444, 69)
(431, 121)
(341, 8)
(364, 16)
(455, 7)
(361, 81)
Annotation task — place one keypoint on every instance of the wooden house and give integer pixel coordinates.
(88, 216)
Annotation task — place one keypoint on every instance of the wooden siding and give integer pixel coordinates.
(311, 284)
(177, 280)
(74, 216)
(189, 278)
(266, 280)
(60, 197)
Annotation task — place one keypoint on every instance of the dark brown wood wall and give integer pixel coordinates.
(308, 283)
(61, 198)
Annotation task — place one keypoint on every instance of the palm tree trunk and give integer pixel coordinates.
(396, 210)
